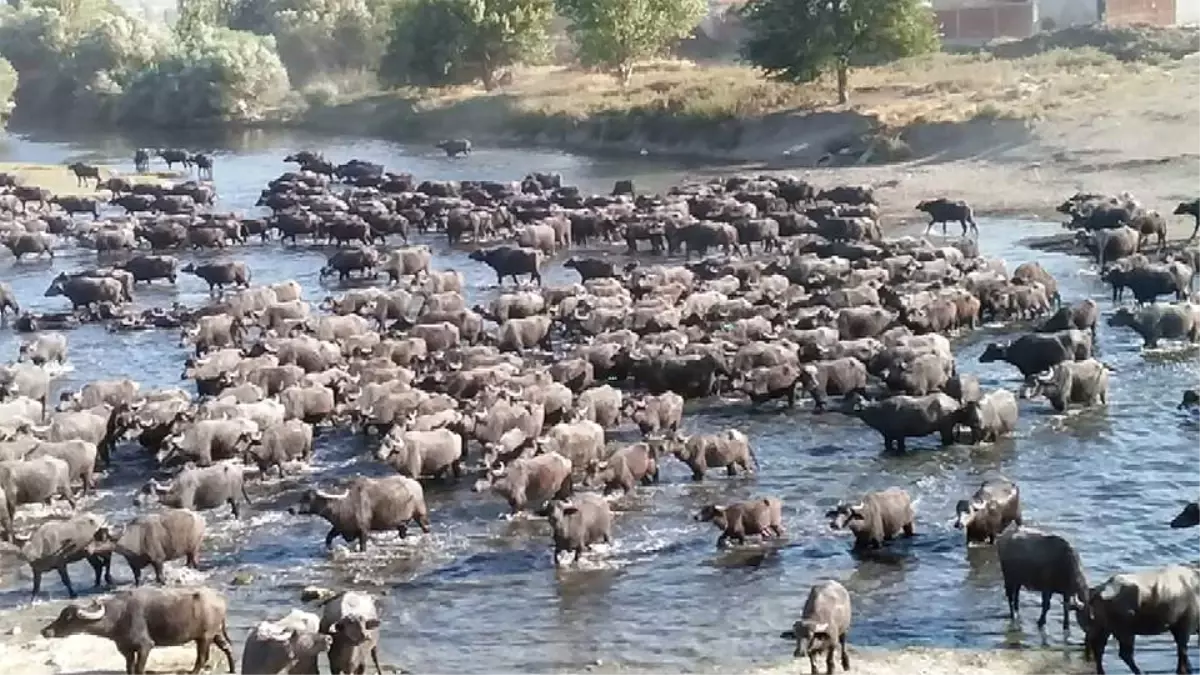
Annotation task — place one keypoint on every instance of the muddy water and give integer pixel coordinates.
(480, 593)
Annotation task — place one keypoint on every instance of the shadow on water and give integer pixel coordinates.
(480, 593)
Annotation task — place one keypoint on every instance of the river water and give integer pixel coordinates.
(480, 594)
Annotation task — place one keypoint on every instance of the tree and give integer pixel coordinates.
(616, 34)
(798, 40)
(437, 42)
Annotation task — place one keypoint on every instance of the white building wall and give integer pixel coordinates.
(1187, 12)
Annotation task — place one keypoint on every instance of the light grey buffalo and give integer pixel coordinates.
(281, 443)
(352, 620)
(656, 414)
(529, 483)
(35, 481)
(25, 379)
(199, 488)
(58, 543)
(1082, 316)
(207, 441)
(876, 519)
(422, 453)
(992, 417)
(624, 469)
(824, 625)
(762, 517)
(1080, 382)
(518, 335)
(153, 539)
(1154, 322)
(144, 618)
(700, 452)
(601, 405)
(901, 417)
(288, 645)
(1151, 602)
(368, 505)
(581, 442)
(1043, 562)
(45, 348)
(835, 377)
(994, 505)
(578, 523)
(80, 457)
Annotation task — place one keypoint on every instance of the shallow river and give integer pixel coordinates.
(480, 594)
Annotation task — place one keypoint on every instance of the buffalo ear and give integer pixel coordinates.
(372, 624)
(570, 510)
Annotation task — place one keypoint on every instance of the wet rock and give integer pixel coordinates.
(314, 593)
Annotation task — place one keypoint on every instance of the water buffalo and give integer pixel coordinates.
(875, 519)
(199, 488)
(368, 505)
(289, 645)
(144, 618)
(901, 417)
(454, 147)
(994, 505)
(1188, 517)
(150, 267)
(1042, 562)
(58, 543)
(942, 210)
(762, 516)
(1192, 209)
(1160, 322)
(8, 300)
(529, 482)
(578, 523)
(220, 275)
(156, 538)
(1084, 382)
(83, 172)
(824, 625)
(624, 469)
(510, 261)
(1036, 353)
(352, 620)
(992, 416)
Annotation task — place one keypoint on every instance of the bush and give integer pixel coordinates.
(319, 37)
(218, 76)
(8, 87)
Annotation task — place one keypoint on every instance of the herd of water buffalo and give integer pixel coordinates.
(522, 391)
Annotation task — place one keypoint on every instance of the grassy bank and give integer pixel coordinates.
(59, 180)
(731, 111)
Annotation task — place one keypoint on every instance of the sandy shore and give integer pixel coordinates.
(84, 654)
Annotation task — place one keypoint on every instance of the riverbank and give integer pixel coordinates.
(61, 181)
(88, 655)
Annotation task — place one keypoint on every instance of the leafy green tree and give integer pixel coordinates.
(437, 42)
(8, 88)
(799, 40)
(319, 37)
(616, 34)
(218, 76)
(194, 15)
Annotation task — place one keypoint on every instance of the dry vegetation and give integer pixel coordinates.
(61, 181)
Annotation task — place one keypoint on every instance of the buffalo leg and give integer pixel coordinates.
(731, 470)
(137, 575)
(202, 646)
(37, 583)
(1096, 643)
(829, 653)
(329, 537)
(1013, 594)
(222, 641)
(130, 660)
(1066, 613)
(193, 560)
(845, 655)
(374, 659)
(1183, 665)
(812, 663)
(158, 571)
(66, 579)
(1125, 650)
(362, 541)
(1046, 596)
